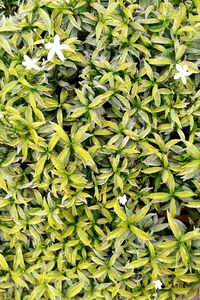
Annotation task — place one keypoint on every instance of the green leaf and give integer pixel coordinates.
(40, 165)
(179, 17)
(149, 71)
(101, 99)
(62, 134)
(193, 204)
(197, 4)
(140, 214)
(8, 87)
(174, 226)
(9, 28)
(53, 292)
(159, 196)
(137, 263)
(180, 52)
(78, 112)
(5, 45)
(84, 155)
(73, 21)
(184, 194)
(189, 278)
(192, 235)
(3, 184)
(142, 49)
(116, 233)
(37, 292)
(144, 116)
(74, 290)
(9, 160)
(24, 82)
(18, 280)
(159, 61)
(193, 150)
(80, 132)
(81, 97)
(119, 211)
(4, 202)
(83, 236)
(152, 170)
(45, 18)
(3, 263)
(140, 233)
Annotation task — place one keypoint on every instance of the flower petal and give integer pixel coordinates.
(51, 54)
(57, 40)
(177, 76)
(60, 55)
(48, 46)
(185, 68)
(179, 68)
(188, 73)
(183, 78)
(64, 47)
(27, 58)
(36, 67)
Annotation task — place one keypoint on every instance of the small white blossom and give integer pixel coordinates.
(30, 63)
(182, 73)
(123, 199)
(155, 295)
(158, 284)
(55, 48)
(44, 62)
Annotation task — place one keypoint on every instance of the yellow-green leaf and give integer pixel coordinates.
(140, 214)
(5, 45)
(18, 280)
(75, 289)
(101, 99)
(192, 235)
(184, 194)
(3, 184)
(193, 204)
(84, 155)
(116, 233)
(140, 233)
(174, 226)
(137, 263)
(159, 61)
(119, 211)
(3, 263)
(152, 170)
(83, 236)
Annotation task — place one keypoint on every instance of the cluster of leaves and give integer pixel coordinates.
(75, 135)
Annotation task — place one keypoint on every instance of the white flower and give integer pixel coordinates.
(155, 295)
(158, 284)
(44, 62)
(55, 48)
(123, 199)
(182, 73)
(30, 63)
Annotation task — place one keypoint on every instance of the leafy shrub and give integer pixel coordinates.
(99, 149)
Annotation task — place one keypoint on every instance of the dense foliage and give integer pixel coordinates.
(99, 149)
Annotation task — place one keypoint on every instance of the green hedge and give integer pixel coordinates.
(99, 149)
